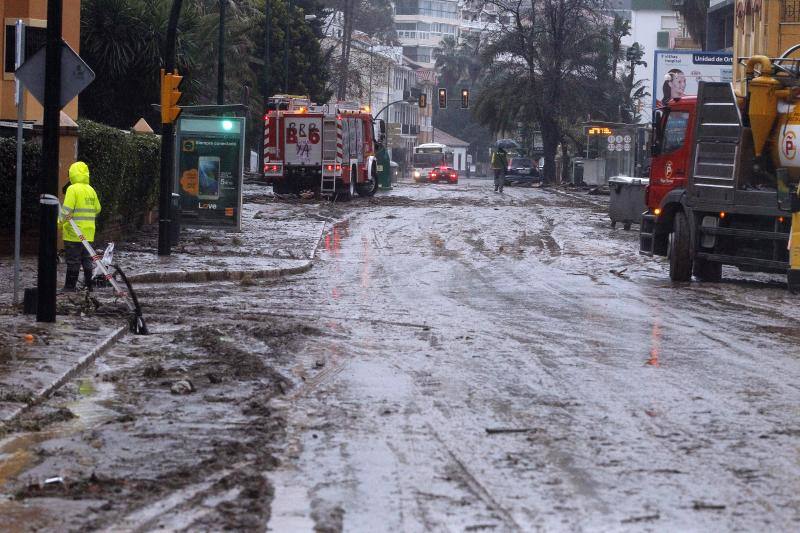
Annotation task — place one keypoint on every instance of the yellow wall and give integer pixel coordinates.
(34, 13)
(761, 32)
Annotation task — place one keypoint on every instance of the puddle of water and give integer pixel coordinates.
(655, 343)
(290, 506)
(18, 450)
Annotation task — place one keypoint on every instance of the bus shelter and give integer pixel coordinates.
(613, 149)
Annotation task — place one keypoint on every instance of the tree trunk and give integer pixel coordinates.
(550, 137)
(565, 162)
(344, 62)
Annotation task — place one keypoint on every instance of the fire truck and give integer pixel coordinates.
(724, 177)
(328, 148)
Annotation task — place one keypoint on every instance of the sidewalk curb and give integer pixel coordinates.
(159, 277)
(574, 196)
(200, 276)
(42, 394)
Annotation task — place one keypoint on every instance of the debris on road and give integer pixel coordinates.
(496, 431)
(183, 386)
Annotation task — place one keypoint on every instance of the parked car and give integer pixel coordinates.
(448, 174)
(521, 171)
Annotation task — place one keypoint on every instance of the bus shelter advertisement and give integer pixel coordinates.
(678, 73)
(209, 174)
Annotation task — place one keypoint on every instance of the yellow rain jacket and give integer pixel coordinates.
(80, 203)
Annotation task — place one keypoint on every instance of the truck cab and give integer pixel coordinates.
(673, 126)
(714, 179)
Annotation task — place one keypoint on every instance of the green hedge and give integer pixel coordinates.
(124, 170)
(32, 156)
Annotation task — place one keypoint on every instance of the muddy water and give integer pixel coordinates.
(456, 360)
(512, 363)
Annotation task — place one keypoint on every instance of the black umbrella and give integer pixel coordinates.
(507, 144)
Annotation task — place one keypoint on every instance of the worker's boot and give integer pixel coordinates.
(70, 282)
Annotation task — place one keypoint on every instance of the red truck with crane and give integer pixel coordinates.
(326, 148)
(724, 177)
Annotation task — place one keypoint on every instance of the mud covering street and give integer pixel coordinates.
(455, 360)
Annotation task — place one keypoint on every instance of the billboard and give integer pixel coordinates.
(678, 72)
(209, 165)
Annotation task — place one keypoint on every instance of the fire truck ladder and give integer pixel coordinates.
(328, 185)
(331, 155)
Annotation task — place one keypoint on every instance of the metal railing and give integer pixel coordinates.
(790, 10)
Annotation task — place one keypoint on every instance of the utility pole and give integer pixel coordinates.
(266, 88)
(167, 132)
(286, 47)
(19, 57)
(221, 55)
(48, 181)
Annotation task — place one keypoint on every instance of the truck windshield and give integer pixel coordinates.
(675, 130)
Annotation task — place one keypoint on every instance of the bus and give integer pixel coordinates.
(429, 156)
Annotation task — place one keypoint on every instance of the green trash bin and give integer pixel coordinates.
(384, 169)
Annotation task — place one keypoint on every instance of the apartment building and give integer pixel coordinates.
(422, 24)
(380, 76)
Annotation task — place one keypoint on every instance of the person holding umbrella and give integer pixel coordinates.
(500, 162)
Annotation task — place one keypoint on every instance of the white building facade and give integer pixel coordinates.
(655, 26)
(422, 24)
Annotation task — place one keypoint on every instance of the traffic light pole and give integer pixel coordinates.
(48, 180)
(167, 152)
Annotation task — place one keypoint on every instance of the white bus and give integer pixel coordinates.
(429, 156)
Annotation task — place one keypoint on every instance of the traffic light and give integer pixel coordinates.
(423, 100)
(170, 96)
(464, 98)
(442, 98)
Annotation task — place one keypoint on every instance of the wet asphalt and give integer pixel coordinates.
(456, 360)
(510, 363)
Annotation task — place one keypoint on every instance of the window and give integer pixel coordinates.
(669, 23)
(790, 11)
(675, 131)
(34, 39)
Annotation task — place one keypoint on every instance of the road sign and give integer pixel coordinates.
(75, 74)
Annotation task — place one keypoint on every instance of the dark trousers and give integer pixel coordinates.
(499, 178)
(77, 257)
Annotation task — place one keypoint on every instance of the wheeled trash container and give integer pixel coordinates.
(627, 200)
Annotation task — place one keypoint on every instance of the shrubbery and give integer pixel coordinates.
(124, 170)
(31, 159)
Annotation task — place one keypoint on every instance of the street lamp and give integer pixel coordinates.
(221, 54)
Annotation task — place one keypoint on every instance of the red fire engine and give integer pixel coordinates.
(326, 148)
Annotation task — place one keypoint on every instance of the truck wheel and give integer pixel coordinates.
(680, 252)
(351, 189)
(709, 271)
(370, 187)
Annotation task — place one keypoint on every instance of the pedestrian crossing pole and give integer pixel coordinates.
(48, 180)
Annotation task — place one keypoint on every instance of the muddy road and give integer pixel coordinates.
(456, 360)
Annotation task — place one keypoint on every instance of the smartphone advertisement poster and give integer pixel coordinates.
(210, 160)
(678, 72)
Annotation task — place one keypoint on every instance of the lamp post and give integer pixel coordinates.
(221, 55)
(289, 6)
(48, 179)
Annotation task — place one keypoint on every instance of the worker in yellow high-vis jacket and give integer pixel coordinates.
(81, 205)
